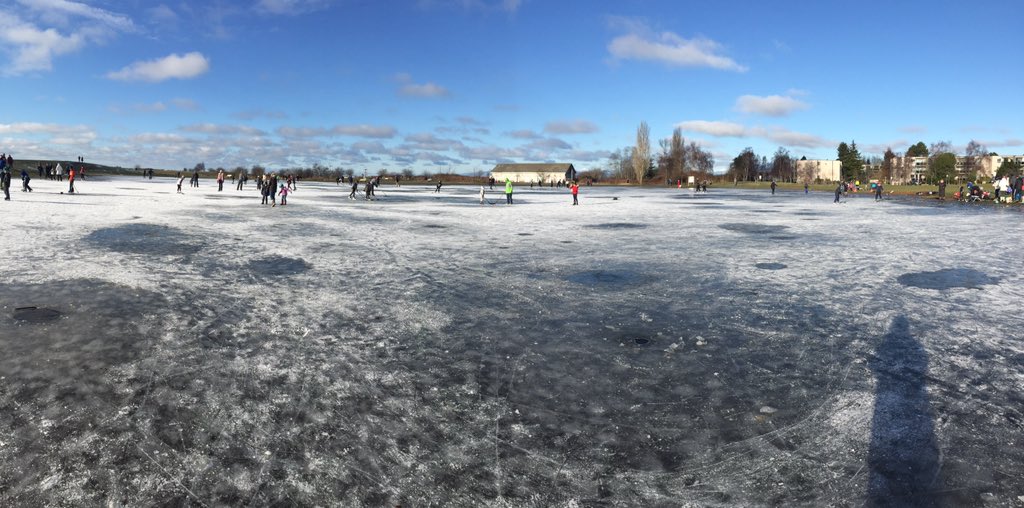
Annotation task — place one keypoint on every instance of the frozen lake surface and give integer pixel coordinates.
(649, 347)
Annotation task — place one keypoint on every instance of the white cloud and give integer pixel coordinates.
(163, 14)
(359, 131)
(219, 129)
(776, 134)
(641, 43)
(411, 89)
(423, 90)
(42, 140)
(571, 127)
(548, 144)
(253, 114)
(714, 128)
(61, 11)
(41, 30)
(509, 6)
(365, 131)
(291, 7)
(33, 48)
(772, 105)
(1003, 143)
(430, 142)
(523, 134)
(173, 66)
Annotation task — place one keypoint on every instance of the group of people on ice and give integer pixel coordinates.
(52, 172)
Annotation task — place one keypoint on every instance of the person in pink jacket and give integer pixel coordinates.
(284, 195)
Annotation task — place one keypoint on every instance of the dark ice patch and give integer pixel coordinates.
(525, 234)
(435, 226)
(279, 266)
(770, 266)
(606, 278)
(35, 314)
(783, 238)
(641, 341)
(752, 229)
(947, 278)
(616, 225)
(151, 239)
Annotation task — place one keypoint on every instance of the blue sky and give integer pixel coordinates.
(436, 84)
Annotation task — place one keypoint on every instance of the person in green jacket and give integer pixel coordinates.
(508, 191)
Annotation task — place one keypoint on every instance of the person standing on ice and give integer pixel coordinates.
(839, 192)
(483, 194)
(71, 180)
(806, 187)
(773, 187)
(220, 180)
(25, 178)
(878, 192)
(508, 190)
(284, 194)
(355, 187)
(575, 188)
(5, 183)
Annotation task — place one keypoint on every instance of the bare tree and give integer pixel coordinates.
(807, 170)
(781, 164)
(973, 156)
(642, 152)
(888, 165)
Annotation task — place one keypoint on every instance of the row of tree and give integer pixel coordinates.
(677, 159)
(940, 162)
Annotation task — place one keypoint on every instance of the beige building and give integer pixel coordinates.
(915, 169)
(526, 173)
(813, 170)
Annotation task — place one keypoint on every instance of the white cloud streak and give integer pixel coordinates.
(571, 127)
(668, 48)
(187, 66)
(771, 105)
(775, 134)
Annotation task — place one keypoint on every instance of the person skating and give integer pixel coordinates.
(942, 189)
(181, 179)
(241, 181)
(355, 188)
(369, 190)
(806, 188)
(220, 180)
(25, 178)
(438, 188)
(284, 194)
(71, 180)
(273, 189)
(878, 192)
(5, 183)
(839, 192)
(265, 191)
(773, 187)
(483, 195)
(508, 191)
(575, 188)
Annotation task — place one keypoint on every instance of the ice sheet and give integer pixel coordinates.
(648, 346)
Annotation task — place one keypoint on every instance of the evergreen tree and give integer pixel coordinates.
(917, 150)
